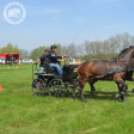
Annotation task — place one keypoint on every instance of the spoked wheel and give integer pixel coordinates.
(56, 88)
(38, 87)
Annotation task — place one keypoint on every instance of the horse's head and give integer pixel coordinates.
(132, 57)
(127, 55)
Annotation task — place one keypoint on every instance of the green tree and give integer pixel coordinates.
(35, 53)
(10, 48)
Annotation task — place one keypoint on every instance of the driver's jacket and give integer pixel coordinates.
(54, 58)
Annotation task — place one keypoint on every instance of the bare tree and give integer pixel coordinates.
(125, 40)
(24, 54)
(80, 50)
(64, 49)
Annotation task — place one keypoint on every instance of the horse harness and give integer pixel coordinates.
(127, 68)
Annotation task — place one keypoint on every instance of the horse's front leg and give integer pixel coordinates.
(82, 84)
(81, 95)
(122, 86)
(73, 95)
(75, 85)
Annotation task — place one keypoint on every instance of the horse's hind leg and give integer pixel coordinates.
(122, 86)
(82, 84)
(92, 88)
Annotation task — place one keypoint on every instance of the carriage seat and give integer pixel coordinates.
(49, 69)
(68, 72)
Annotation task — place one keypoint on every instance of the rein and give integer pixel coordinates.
(108, 74)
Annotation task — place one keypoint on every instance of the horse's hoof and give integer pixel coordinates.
(73, 99)
(132, 90)
(93, 93)
(124, 101)
(117, 96)
(86, 101)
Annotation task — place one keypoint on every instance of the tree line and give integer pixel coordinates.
(87, 50)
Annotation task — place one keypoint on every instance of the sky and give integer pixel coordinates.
(62, 21)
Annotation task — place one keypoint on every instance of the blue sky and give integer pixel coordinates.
(58, 21)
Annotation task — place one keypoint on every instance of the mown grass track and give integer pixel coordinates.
(23, 113)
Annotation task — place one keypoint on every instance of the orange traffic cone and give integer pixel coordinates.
(1, 88)
(17, 67)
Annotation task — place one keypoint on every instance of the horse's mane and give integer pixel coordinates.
(124, 50)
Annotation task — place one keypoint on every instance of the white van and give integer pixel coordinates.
(2, 60)
(27, 61)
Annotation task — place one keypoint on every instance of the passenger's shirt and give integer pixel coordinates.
(45, 59)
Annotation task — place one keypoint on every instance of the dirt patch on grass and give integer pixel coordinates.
(88, 130)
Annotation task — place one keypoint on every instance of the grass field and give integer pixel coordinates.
(23, 113)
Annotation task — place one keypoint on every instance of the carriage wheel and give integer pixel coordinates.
(56, 88)
(38, 87)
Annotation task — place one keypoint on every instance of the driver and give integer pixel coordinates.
(55, 63)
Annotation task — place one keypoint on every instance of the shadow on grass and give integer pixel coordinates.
(100, 95)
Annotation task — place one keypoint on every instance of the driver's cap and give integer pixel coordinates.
(53, 46)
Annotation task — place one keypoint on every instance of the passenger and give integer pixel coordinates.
(44, 59)
(55, 63)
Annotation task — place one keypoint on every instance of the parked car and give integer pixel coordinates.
(27, 61)
(2, 60)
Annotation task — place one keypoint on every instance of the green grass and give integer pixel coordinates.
(23, 113)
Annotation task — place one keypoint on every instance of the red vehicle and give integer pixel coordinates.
(9, 57)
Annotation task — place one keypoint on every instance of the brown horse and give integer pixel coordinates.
(90, 70)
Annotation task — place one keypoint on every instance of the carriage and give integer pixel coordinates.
(51, 83)
(118, 69)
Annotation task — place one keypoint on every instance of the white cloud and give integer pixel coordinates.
(114, 26)
(52, 11)
(80, 20)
